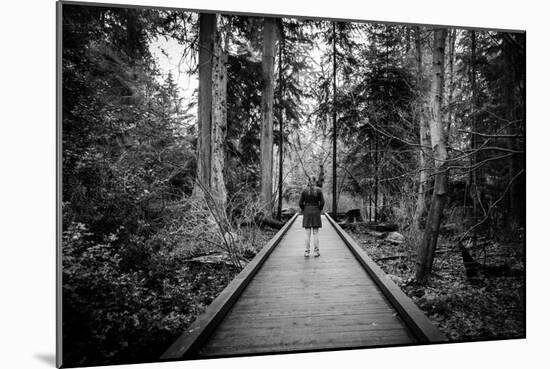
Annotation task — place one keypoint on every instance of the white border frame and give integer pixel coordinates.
(28, 181)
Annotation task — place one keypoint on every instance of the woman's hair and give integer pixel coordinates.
(311, 184)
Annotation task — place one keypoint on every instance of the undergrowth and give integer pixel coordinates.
(487, 308)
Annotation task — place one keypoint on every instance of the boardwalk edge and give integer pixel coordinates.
(189, 343)
(419, 324)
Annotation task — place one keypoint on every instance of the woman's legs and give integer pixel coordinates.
(316, 241)
(307, 239)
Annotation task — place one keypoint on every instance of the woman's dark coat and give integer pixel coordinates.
(311, 203)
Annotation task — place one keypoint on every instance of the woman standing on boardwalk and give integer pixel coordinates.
(311, 203)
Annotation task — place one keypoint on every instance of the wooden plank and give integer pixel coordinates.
(325, 322)
(268, 297)
(344, 340)
(303, 334)
(333, 303)
(358, 314)
(310, 337)
(188, 344)
(283, 285)
(312, 309)
(420, 325)
(296, 310)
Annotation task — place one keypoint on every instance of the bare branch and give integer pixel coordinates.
(487, 213)
(491, 135)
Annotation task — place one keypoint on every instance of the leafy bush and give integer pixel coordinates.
(113, 315)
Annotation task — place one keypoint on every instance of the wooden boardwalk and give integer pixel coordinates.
(293, 304)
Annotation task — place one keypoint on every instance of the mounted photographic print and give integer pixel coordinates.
(243, 184)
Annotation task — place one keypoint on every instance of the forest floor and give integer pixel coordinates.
(465, 310)
(486, 308)
(209, 277)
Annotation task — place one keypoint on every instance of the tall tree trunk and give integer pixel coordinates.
(376, 176)
(452, 38)
(132, 35)
(266, 139)
(407, 40)
(219, 121)
(473, 140)
(370, 206)
(207, 30)
(427, 248)
(281, 137)
(424, 136)
(334, 133)
(369, 148)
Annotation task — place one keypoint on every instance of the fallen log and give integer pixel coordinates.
(271, 222)
(384, 227)
(373, 226)
(376, 234)
(392, 257)
(287, 213)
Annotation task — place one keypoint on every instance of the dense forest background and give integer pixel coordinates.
(157, 185)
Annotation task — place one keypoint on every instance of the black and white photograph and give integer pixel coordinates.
(264, 186)
(236, 185)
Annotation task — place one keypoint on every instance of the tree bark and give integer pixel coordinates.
(132, 35)
(334, 133)
(420, 208)
(427, 248)
(452, 38)
(219, 121)
(280, 187)
(266, 139)
(473, 143)
(207, 30)
(376, 176)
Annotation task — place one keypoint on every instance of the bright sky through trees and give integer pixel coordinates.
(168, 55)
